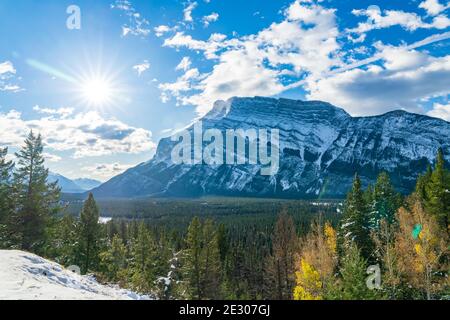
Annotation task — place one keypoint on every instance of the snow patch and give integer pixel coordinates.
(25, 276)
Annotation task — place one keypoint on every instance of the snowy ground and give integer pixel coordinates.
(25, 276)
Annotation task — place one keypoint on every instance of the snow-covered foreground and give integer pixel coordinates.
(25, 276)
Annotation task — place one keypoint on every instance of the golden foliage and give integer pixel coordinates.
(318, 260)
(309, 286)
(419, 258)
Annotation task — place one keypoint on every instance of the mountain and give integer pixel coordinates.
(321, 148)
(25, 276)
(73, 186)
(87, 184)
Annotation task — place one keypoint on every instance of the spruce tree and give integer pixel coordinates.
(36, 199)
(211, 261)
(193, 259)
(63, 241)
(113, 261)
(438, 192)
(384, 202)
(422, 181)
(202, 266)
(144, 260)
(354, 227)
(6, 199)
(353, 276)
(89, 235)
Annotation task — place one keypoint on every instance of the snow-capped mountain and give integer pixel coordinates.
(73, 186)
(321, 148)
(87, 184)
(25, 276)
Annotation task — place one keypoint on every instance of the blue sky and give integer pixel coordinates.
(103, 95)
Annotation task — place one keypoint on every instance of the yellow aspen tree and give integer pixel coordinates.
(317, 263)
(421, 247)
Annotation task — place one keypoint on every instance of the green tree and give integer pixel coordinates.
(437, 200)
(89, 235)
(384, 203)
(202, 267)
(144, 260)
(36, 199)
(353, 276)
(193, 259)
(354, 227)
(63, 241)
(422, 181)
(211, 261)
(113, 261)
(6, 199)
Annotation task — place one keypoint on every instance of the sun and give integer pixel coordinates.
(97, 91)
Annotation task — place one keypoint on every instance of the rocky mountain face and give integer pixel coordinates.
(321, 149)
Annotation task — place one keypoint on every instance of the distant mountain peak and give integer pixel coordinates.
(73, 186)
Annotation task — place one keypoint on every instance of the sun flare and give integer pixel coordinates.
(97, 91)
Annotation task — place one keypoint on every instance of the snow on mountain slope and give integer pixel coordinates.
(25, 276)
(321, 149)
(73, 186)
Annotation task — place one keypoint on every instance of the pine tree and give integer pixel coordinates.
(63, 241)
(422, 181)
(144, 260)
(354, 228)
(281, 262)
(36, 199)
(353, 276)
(193, 259)
(202, 260)
(438, 192)
(211, 261)
(89, 235)
(6, 199)
(385, 202)
(113, 261)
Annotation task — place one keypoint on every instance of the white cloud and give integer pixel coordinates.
(137, 25)
(187, 12)
(62, 112)
(210, 18)
(85, 134)
(7, 73)
(7, 67)
(378, 89)
(184, 64)
(304, 43)
(141, 68)
(51, 157)
(433, 7)
(377, 19)
(307, 49)
(10, 87)
(440, 111)
(162, 30)
(104, 171)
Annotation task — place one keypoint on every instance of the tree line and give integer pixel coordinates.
(321, 258)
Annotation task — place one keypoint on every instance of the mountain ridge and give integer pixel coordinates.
(67, 185)
(321, 148)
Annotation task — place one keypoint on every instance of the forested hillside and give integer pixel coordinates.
(323, 255)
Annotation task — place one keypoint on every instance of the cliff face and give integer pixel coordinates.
(321, 148)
